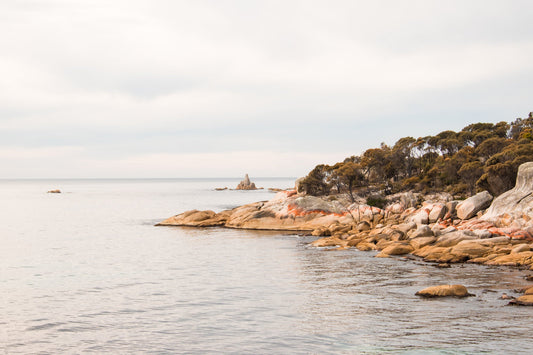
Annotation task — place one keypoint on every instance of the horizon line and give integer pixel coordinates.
(142, 178)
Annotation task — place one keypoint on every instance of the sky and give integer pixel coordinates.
(220, 88)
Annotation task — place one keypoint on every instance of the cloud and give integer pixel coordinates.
(127, 78)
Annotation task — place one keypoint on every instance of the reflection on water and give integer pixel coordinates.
(88, 272)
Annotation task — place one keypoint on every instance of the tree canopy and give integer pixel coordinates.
(482, 156)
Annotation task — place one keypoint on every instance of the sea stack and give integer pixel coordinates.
(246, 184)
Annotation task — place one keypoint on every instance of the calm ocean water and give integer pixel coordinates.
(86, 271)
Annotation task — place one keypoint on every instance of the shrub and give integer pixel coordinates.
(376, 201)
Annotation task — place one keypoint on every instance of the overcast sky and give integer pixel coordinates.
(131, 88)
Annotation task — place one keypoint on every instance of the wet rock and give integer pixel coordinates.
(444, 291)
(526, 300)
(396, 249)
(471, 248)
(517, 259)
(365, 246)
(56, 191)
(196, 218)
(383, 243)
(328, 242)
(353, 242)
(529, 291)
(321, 232)
(431, 252)
(469, 207)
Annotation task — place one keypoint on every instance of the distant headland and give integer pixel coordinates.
(455, 197)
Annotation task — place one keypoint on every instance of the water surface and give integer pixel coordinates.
(86, 271)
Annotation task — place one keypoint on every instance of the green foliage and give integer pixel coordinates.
(376, 201)
(314, 183)
(482, 156)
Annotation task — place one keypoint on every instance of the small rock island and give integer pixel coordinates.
(246, 184)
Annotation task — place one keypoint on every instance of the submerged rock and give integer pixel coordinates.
(444, 291)
(526, 300)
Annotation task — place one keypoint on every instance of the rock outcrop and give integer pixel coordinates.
(56, 191)
(431, 231)
(516, 205)
(246, 184)
(286, 211)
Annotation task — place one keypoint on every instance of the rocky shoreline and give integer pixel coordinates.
(439, 230)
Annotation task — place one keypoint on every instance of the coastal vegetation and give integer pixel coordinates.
(482, 156)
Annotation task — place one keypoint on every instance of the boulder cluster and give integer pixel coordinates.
(452, 231)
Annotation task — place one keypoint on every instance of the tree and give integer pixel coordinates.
(470, 173)
(314, 183)
(352, 176)
(481, 155)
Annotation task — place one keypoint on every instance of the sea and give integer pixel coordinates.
(87, 271)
